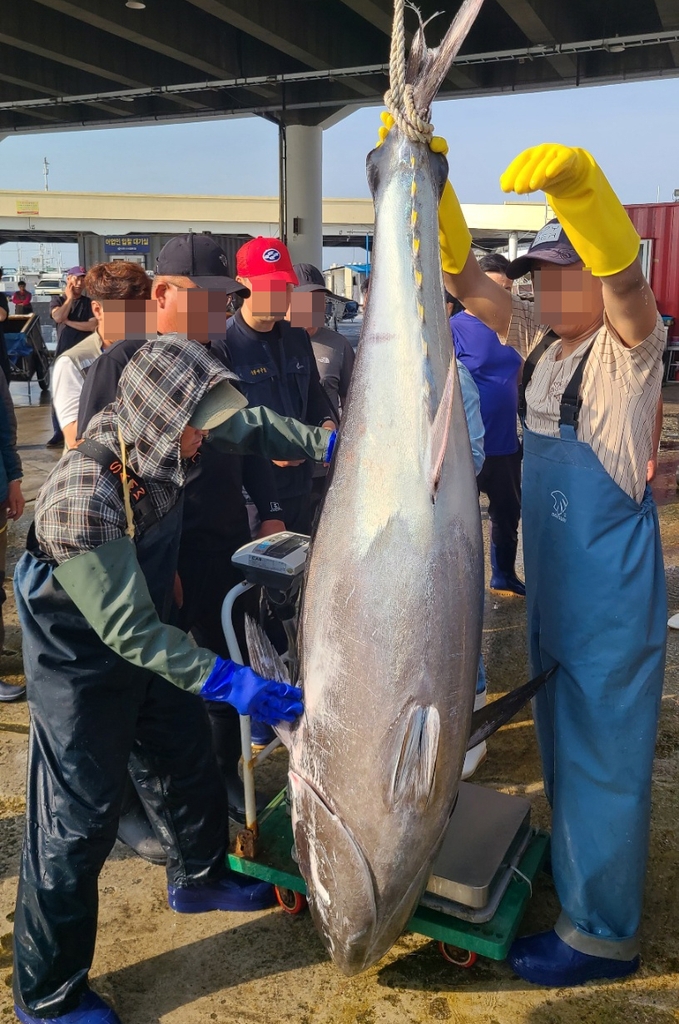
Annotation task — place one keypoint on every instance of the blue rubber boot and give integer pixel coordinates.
(233, 892)
(503, 579)
(91, 1010)
(547, 960)
(261, 734)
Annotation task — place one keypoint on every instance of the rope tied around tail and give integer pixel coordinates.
(399, 98)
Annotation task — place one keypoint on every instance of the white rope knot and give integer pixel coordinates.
(399, 99)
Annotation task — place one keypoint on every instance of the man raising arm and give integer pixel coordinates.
(595, 588)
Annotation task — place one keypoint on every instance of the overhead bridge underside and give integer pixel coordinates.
(88, 63)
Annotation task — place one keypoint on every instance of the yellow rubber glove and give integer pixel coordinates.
(454, 237)
(587, 207)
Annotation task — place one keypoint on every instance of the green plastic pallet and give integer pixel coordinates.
(274, 864)
(493, 938)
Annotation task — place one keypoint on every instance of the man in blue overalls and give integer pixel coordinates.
(595, 585)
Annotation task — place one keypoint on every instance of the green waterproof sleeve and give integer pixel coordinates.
(109, 589)
(260, 431)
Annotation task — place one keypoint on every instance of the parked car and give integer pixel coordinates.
(53, 284)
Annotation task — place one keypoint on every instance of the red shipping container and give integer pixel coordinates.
(659, 222)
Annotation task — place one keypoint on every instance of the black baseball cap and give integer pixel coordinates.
(550, 245)
(311, 280)
(199, 258)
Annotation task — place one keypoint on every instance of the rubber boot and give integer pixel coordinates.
(261, 735)
(475, 757)
(91, 1010)
(503, 578)
(225, 725)
(8, 692)
(135, 829)
(233, 892)
(545, 959)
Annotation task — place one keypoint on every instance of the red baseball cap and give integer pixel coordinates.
(266, 258)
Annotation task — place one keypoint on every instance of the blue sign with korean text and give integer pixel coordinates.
(127, 243)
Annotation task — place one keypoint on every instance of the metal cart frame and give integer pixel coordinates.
(263, 850)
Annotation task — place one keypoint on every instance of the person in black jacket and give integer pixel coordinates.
(4, 314)
(275, 363)
(215, 520)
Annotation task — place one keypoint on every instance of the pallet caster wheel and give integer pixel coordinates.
(455, 955)
(290, 901)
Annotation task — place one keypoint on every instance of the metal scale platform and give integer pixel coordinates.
(486, 839)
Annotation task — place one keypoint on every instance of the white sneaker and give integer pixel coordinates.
(477, 755)
(673, 622)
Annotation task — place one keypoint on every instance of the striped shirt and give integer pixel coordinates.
(620, 391)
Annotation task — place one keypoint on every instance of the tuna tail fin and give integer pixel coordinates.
(267, 662)
(440, 430)
(433, 67)
(488, 720)
(417, 55)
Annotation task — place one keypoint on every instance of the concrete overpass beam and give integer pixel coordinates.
(305, 193)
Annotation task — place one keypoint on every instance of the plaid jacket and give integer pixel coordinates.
(80, 507)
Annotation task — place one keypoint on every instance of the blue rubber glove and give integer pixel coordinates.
(249, 694)
(332, 441)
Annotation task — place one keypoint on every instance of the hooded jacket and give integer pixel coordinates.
(80, 519)
(81, 506)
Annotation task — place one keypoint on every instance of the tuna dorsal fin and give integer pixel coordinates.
(264, 658)
(440, 430)
(488, 720)
(267, 662)
(416, 764)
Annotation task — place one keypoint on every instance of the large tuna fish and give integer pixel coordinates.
(392, 611)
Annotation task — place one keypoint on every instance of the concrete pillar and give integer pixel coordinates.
(90, 250)
(304, 179)
(513, 245)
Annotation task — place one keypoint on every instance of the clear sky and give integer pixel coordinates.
(632, 130)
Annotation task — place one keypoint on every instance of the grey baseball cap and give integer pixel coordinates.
(311, 280)
(221, 402)
(550, 245)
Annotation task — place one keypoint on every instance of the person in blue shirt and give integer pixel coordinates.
(495, 368)
(472, 411)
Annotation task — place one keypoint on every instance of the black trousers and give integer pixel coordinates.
(91, 711)
(297, 512)
(207, 576)
(500, 480)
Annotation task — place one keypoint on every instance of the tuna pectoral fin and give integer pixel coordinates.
(488, 720)
(416, 764)
(440, 431)
(339, 883)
